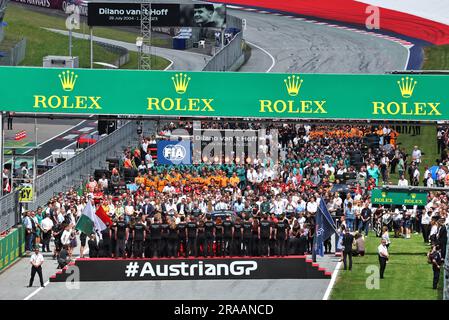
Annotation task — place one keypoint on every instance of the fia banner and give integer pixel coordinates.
(174, 152)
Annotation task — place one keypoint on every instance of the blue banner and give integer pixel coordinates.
(174, 152)
(324, 227)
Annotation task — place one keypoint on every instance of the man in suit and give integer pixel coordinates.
(147, 208)
(348, 239)
(182, 207)
(442, 237)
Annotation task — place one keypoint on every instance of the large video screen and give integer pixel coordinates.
(204, 15)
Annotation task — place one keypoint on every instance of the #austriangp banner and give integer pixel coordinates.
(292, 267)
(224, 94)
(205, 15)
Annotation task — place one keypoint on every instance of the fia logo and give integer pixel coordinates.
(175, 152)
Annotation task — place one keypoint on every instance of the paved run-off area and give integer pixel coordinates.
(16, 278)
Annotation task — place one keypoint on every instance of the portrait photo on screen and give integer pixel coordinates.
(208, 15)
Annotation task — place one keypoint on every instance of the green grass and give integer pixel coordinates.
(426, 141)
(408, 276)
(23, 22)
(436, 58)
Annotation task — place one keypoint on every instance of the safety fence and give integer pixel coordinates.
(231, 56)
(71, 173)
(13, 52)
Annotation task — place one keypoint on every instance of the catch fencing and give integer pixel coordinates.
(71, 173)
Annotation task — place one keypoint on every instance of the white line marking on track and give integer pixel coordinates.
(333, 279)
(36, 291)
(265, 51)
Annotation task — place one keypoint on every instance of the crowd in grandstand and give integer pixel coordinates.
(255, 208)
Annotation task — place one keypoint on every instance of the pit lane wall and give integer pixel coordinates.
(12, 246)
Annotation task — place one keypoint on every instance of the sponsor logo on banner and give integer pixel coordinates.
(56, 4)
(293, 85)
(174, 152)
(407, 86)
(191, 270)
(180, 82)
(67, 80)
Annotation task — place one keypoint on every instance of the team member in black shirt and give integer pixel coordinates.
(113, 241)
(106, 236)
(264, 235)
(147, 242)
(182, 237)
(201, 240)
(247, 227)
(209, 229)
(227, 236)
(255, 238)
(93, 246)
(281, 236)
(172, 242)
(219, 238)
(155, 238)
(121, 236)
(237, 236)
(164, 238)
(191, 235)
(129, 242)
(139, 235)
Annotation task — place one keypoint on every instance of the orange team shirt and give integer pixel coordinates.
(234, 181)
(139, 180)
(224, 181)
(161, 185)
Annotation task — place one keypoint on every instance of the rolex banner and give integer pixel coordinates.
(292, 267)
(224, 94)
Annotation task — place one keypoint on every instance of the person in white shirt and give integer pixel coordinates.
(416, 155)
(382, 250)
(312, 206)
(47, 226)
(425, 225)
(429, 181)
(403, 182)
(36, 261)
(103, 183)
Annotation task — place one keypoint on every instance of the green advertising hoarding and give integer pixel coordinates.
(379, 196)
(224, 94)
(12, 246)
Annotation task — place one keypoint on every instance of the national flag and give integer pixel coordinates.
(91, 221)
(324, 227)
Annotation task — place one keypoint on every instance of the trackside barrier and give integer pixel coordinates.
(69, 174)
(229, 58)
(12, 246)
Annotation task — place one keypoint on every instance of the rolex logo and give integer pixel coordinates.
(384, 194)
(181, 82)
(68, 80)
(413, 195)
(293, 84)
(407, 85)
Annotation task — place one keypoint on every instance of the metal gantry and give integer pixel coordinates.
(145, 31)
